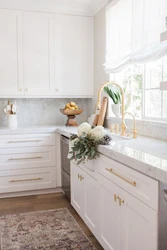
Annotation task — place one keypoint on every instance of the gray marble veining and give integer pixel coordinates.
(42, 111)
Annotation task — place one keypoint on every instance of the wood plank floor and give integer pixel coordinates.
(44, 202)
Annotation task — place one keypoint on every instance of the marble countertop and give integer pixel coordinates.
(146, 155)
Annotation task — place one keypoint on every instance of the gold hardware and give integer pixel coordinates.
(28, 158)
(57, 90)
(134, 132)
(112, 126)
(121, 201)
(81, 178)
(24, 141)
(123, 125)
(20, 90)
(117, 128)
(35, 179)
(26, 89)
(116, 197)
(133, 183)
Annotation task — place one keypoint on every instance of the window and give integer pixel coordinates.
(135, 57)
(141, 85)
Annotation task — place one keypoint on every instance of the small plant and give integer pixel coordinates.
(83, 146)
(114, 93)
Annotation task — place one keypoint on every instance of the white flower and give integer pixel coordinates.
(84, 128)
(98, 132)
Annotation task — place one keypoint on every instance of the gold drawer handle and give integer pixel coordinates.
(121, 202)
(116, 197)
(35, 179)
(24, 141)
(133, 183)
(28, 158)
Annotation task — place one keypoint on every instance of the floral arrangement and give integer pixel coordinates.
(83, 146)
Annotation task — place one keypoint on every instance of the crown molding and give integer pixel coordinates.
(56, 6)
(96, 8)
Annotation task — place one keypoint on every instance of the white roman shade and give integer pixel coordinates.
(133, 32)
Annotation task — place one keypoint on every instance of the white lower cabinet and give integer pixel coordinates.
(119, 220)
(84, 197)
(110, 215)
(139, 225)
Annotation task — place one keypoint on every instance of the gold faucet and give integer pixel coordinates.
(123, 125)
(134, 132)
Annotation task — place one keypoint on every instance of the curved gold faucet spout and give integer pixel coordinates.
(123, 126)
(134, 125)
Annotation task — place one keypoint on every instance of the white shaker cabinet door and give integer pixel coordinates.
(38, 56)
(110, 215)
(91, 204)
(10, 53)
(77, 188)
(73, 55)
(139, 225)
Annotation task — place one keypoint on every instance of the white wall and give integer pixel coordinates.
(100, 76)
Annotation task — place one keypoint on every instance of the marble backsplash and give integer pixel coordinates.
(43, 111)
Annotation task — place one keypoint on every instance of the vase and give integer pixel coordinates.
(116, 109)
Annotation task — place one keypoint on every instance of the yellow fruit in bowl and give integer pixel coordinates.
(72, 104)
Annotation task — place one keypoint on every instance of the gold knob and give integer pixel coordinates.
(20, 90)
(116, 197)
(121, 201)
(26, 89)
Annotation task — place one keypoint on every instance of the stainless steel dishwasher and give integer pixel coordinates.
(65, 166)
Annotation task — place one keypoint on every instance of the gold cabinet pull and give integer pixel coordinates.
(133, 183)
(24, 141)
(116, 197)
(81, 178)
(121, 201)
(28, 158)
(35, 179)
(78, 176)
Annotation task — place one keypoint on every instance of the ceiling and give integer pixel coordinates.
(81, 7)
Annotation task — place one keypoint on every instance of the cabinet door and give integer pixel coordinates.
(10, 53)
(91, 204)
(73, 55)
(38, 54)
(77, 189)
(110, 215)
(139, 225)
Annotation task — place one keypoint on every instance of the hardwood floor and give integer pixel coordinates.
(44, 202)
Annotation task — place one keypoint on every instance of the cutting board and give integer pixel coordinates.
(103, 111)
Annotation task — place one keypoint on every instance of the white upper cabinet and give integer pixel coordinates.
(73, 55)
(10, 53)
(38, 54)
(45, 55)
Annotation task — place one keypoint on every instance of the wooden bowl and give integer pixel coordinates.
(71, 112)
(71, 116)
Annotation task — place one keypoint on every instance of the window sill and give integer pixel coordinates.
(153, 123)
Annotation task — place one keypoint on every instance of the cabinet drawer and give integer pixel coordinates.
(27, 179)
(26, 140)
(135, 183)
(19, 158)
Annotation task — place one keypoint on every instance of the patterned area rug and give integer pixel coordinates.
(45, 230)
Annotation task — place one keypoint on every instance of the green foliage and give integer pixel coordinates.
(113, 93)
(85, 148)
